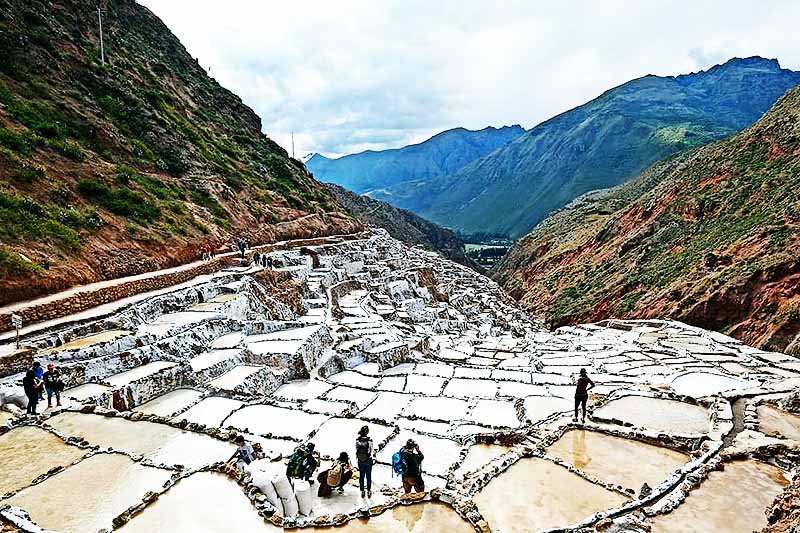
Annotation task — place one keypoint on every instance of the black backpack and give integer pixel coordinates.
(362, 450)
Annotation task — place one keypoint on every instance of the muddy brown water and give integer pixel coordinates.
(732, 500)
(536, 494)
(158, 442)
(87, 496)
(625, 462)
(28, 452)
(772, 420)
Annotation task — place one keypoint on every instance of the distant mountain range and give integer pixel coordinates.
(710, 236)
(510, 184)
(377, 172)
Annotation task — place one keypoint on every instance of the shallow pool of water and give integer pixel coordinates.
(772, 420)
(668, 416)
(536, 494)
(731, 500)
(90, 340)
(86, 497)
(616, 460)
(158, 442)
(28, 452)
(170, 403)
(478, 456)
(202, 502)
(699, 384)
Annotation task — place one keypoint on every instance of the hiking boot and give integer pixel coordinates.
(58, 404)
(369, 493)
(341, 490)
(362, 493)
(574, 418)
(49, 405)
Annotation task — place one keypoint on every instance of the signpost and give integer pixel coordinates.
(16, 323)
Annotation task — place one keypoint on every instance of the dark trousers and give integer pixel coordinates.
(580, 401)
(415, 483)
(365, 475)
(33, 399)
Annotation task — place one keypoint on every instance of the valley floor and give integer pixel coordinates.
(688, 430)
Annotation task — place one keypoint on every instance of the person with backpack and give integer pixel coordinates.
(32, 386)
(365, 453)
(336, 477)
(582, 388)
(410, 465)
(303, 462)
(53, 385)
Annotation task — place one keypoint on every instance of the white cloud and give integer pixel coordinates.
(349, 75)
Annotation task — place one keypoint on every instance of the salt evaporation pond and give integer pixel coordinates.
(478, 456)
(699, 384)
(666, 416)
(211, 411)
(90, 340)
(731, 500)
(158, 442)
(536, 494)
(775, 421)
(625, 462)
(28, 452)
(170, 403)
(86, 497)
(339, 434)
(264, 419)
(202, 502)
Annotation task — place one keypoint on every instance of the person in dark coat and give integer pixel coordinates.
(33, 387)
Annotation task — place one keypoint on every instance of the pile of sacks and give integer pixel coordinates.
(271, 480)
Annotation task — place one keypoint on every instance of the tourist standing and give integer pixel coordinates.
(365, 458)
(582, 388)
(411, 459)
(53, 385)
(303, 462)
(33, 387)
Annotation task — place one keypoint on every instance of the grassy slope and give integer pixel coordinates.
(603, 143)
(113, 170)
(711, 237)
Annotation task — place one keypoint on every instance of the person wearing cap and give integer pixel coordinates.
(412, 457)
(32, 386)
(53, 385)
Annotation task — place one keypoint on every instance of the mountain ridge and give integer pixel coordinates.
(709, 236)
(604, 142)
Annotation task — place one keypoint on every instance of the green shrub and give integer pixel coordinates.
(29, 173)
(18, 142)
(21, 219)
(13, 265)
(68, 149)
(123, 202)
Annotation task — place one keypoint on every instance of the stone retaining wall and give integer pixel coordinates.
(82, 301)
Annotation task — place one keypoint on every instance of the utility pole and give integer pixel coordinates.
(292, 145)
(102, 49)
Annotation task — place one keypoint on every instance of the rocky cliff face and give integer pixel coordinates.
(710, 237)
(115, 169)
(403, 225)
(601, 144)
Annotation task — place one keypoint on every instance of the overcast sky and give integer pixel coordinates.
(347, 76)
